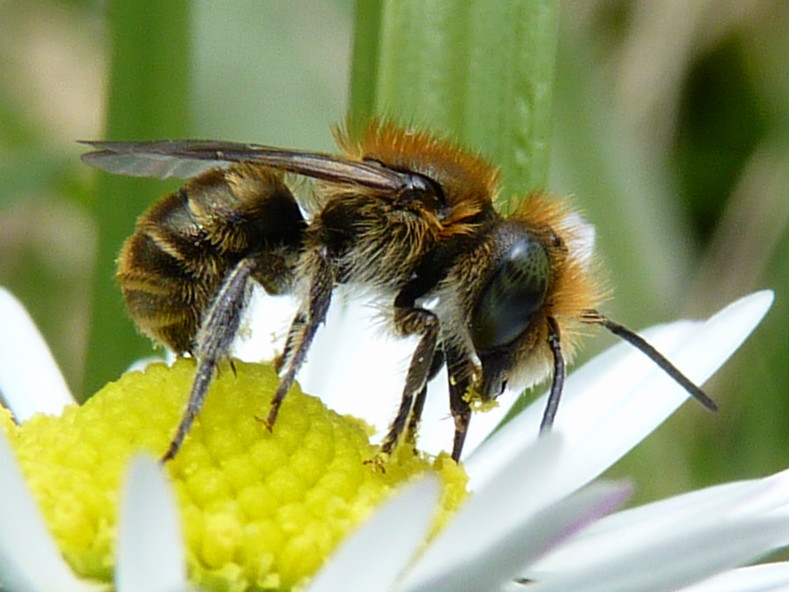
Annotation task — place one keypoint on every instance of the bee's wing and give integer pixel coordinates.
(187, 158)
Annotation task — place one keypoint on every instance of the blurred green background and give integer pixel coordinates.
(670, 129)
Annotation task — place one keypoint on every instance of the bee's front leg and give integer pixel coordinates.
(419, 402)
(460, 371)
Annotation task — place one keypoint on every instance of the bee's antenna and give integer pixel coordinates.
(648, 350)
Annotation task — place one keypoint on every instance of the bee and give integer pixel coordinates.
(409, 216)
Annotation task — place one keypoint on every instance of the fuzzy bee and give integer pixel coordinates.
(399, 212)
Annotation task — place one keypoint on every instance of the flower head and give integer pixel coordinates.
(260, 509)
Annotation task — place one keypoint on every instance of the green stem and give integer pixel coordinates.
(482, 72)
(148, 98)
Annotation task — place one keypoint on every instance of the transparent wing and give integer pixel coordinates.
(187, 158)
(146, 159)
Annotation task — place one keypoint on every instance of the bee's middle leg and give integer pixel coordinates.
(460, 371)
(302, 331)
(413, 321)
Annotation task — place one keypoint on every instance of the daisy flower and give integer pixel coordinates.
(241, 509)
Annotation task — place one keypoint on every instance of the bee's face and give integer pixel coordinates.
(402, 213)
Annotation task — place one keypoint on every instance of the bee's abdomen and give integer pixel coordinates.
(168, 283)
(187, 242)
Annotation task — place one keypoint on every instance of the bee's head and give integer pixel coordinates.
(508, 309)
(537, 269)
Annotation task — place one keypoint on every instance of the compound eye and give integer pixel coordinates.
(515, 292)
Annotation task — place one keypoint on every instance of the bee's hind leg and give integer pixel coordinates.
(303, 328)
(217, 330)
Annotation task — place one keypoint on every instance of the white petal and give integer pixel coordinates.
(667, 564)
(264, 326)
(150, 547)
(491, 566)
(615, 400)
(373, 556)
(30, 380)
(770, 577)
(515, 496)
(730, 501)
(673, 542)
(29, 559)
(769, 495)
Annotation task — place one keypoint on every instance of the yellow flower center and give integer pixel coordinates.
(261, 510)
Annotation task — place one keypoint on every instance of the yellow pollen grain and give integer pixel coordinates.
(260, 510)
